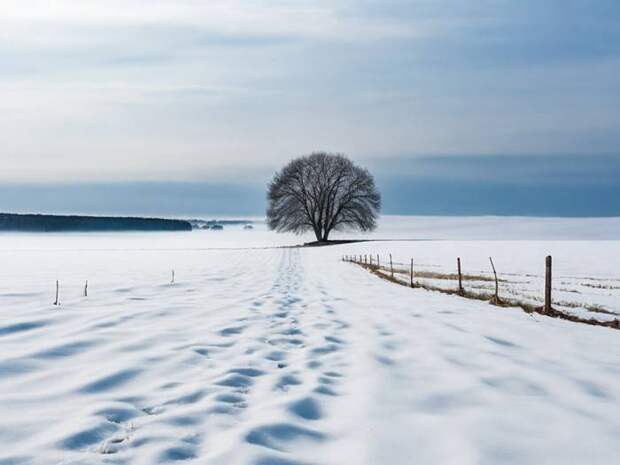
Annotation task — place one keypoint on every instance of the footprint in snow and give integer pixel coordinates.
(233, 330)
(286, 381)
(307, 408)
(280, 435)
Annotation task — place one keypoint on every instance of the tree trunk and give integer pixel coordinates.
(317, 233)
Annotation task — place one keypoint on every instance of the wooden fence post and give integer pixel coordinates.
(496, 299)
(57, 302)
(391, 267)
(461, 291)
(547, 308)
(411, 274)
(86, 289)
(378, 262)
(172, 280)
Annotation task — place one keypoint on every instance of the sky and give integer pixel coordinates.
(188, 106)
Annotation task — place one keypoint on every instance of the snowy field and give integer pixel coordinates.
(285, 356)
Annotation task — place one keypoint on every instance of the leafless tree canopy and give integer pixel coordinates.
(322, 192)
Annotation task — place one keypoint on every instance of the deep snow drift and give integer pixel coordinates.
(290, 357)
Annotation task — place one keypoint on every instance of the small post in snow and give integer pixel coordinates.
(496, 298)
(86, 288)
(57, 302)
(411, 274)
(461, 291)
(547, 308)
(391, 267)
(172, 280)
(378, 262)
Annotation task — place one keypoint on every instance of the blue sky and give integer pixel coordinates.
(162, 107)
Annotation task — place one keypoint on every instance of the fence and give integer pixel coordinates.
(85, 293)
(393, 274)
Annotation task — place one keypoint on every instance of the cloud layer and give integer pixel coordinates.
(216, 90)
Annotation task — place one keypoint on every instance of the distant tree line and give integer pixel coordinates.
(60, 223)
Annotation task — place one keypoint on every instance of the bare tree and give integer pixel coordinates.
(322, 192)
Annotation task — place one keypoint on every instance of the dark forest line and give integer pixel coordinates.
(62, 223)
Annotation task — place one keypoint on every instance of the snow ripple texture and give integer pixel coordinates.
(287, 357)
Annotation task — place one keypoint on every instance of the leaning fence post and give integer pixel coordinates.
(496, 282)
(548, 284)
(391, 266)
(461, 291)
(57, 302)
(411, 274)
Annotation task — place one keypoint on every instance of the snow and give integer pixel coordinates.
(286, 356)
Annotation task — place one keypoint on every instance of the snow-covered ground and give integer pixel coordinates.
(279, 356)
